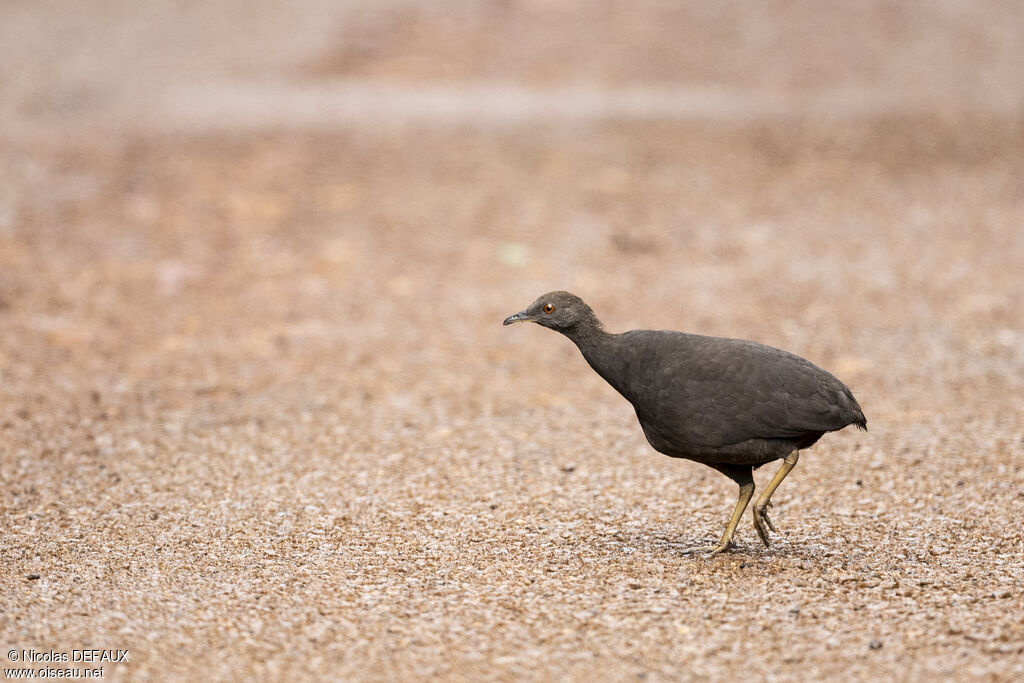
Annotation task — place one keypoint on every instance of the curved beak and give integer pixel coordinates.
(521, 317)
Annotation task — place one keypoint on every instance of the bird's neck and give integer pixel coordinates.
(588, 335)
(603, 354)
(596, 345)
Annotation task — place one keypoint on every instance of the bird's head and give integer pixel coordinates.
(560, 311)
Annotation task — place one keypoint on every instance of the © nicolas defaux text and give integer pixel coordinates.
(93, 655)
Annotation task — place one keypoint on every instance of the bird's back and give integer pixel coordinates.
(720, 400)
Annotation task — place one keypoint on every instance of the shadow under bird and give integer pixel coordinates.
(731, 404)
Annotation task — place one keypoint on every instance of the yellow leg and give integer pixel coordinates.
(761, 506)
(746, 493)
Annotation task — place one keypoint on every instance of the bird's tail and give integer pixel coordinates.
(856, 415)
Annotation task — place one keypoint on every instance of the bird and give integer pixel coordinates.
(730, 404)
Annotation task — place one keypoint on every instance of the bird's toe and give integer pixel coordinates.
(710, 550)
(715, 550)
(762, 523)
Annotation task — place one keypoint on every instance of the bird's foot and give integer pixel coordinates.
(710, 551)
(762, 522)
(721, 547)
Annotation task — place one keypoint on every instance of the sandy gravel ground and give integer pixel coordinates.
(259, 417)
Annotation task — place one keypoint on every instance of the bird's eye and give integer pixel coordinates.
(549, 308)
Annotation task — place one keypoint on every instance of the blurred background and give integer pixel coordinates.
(254, 259)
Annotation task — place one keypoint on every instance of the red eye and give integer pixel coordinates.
(549, 308)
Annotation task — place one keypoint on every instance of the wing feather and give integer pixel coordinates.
(696, 391)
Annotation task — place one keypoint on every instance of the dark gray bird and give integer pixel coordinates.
(731, 404)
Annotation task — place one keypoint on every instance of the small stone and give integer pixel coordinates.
(875, 644)
(33, 577)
